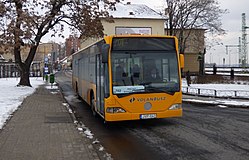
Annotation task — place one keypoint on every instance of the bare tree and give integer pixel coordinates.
(25, 22)
(186, 15)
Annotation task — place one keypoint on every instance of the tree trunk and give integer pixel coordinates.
(24, 75)
(24, 67)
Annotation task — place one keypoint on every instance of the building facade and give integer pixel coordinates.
(136, 18)
(131, 19)
(72, 45)
(194, 48)
(50, 50)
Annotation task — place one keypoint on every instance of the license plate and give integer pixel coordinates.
(147, 116)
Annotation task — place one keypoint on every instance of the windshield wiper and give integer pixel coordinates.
(159, 90)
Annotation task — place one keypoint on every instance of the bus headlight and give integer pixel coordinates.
(115, 110)
(175, 107)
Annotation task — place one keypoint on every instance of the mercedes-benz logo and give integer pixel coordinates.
(147, 106)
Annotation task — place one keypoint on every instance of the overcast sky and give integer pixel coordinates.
(232, 23)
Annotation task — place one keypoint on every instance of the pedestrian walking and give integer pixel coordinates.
(188, 78)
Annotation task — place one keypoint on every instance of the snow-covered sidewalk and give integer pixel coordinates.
(12, 96)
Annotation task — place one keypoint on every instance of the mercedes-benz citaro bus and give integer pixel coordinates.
(130, 77)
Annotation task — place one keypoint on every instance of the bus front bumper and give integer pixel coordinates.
(138, 116)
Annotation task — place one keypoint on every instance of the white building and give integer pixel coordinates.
(131, 19)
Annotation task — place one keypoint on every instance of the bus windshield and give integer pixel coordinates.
(141, 70)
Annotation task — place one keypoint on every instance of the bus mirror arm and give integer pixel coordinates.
(104, 51)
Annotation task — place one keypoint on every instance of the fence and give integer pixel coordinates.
(9, 69)
(229, 71)
(216, 93)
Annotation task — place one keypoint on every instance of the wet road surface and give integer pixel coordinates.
(204, 132)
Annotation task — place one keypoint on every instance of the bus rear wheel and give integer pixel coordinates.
(93, 107)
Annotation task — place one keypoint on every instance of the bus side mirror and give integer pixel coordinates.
(181, 60)
(104, 51)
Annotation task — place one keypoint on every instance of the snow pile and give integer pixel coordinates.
(12, 96)
(134, 11)
(222, 90)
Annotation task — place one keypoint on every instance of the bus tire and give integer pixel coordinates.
(93, 106)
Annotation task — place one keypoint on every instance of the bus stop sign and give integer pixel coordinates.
(45, 70)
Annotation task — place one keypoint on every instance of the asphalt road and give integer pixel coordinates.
(203, 133)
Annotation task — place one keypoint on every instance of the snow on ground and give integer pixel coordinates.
(229, 87)
(218, 86)
(12, 96)
(222, 103)
(223, 90)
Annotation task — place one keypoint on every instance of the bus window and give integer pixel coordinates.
(138, 66)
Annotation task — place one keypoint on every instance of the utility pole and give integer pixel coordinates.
(244, 50)
(240, 58)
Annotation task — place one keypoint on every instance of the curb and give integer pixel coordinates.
(93, 143)
(213, 103)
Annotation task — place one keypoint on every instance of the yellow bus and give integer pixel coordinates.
(130, 77)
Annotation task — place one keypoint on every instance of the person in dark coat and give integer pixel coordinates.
(153, 76)
(188, 78)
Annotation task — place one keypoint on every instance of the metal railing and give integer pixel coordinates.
(228, 71)
(216, 93)
(8, 69)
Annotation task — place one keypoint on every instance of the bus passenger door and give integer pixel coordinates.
(100, 85)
